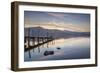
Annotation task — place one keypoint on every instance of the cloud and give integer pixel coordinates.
(60, 26)
(58, 15)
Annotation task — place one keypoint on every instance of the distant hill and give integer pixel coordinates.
(41, 32)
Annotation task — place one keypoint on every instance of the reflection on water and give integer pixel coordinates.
(60, 49)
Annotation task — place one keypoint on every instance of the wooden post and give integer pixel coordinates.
(38, 40)
(33, 41)
(28, 37)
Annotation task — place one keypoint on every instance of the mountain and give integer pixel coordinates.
(41, 32)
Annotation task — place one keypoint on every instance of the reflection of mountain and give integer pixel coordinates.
(41, 32)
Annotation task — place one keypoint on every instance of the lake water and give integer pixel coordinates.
(60, 49)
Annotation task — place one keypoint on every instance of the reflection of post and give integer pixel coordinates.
(39, 49)
(33, 49)
(47, 44)
(29, 54)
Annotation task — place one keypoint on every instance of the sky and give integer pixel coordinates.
(78, 22)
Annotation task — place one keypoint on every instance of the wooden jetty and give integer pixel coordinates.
(31, 42)
(40, 41)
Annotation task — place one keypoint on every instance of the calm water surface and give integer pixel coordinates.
(60, 49)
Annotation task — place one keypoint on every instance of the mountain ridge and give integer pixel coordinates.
(39, 31)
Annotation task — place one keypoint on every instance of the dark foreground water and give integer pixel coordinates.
(60, 49)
